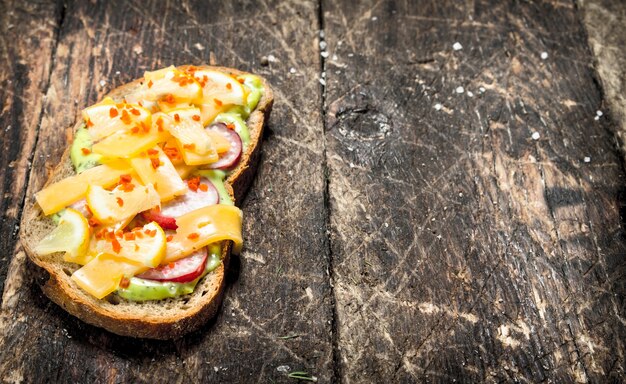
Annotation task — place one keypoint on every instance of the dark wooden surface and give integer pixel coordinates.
(404, 231)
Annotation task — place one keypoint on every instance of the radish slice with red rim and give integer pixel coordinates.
(181, 205)
(181, 271)
(231, 157)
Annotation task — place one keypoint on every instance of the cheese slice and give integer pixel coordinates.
(128, 143)
(184, 170)
(168, 85)
(184, 124)
(164, 176)
(202, 227)
(107, 118)
(103, 274)
(59, 195)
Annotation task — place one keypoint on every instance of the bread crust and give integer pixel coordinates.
(177, 316)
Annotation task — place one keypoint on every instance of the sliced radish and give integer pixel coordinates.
(231, 157)
(181, 205)
(81, 206)
(180, 271)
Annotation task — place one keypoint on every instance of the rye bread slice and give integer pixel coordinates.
(159, 319)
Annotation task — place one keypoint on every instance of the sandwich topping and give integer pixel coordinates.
(146, 214)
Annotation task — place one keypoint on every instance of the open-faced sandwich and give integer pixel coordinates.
(136, 224)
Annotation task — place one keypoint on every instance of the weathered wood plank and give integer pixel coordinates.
(604, 21)
(27, 39)
(474, 199)
(279, 286)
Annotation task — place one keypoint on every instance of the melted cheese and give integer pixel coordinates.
(204, 226)
(164, 177)
(59, 195)
(103, 274)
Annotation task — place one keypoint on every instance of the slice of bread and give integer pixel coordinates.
(162, 319)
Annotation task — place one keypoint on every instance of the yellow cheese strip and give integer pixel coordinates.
(184, 170)
(204, 226)
(103, 274)
(128, 144)
(165, 84)
(165, 178)
(221, 144)
(59, 195)
(190, 157)
(185, 126)
(107, 118)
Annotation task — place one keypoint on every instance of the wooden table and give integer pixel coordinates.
(437, 200)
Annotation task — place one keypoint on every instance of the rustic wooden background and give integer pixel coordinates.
(421, 213)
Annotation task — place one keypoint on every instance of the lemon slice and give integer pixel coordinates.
(70, 236)
(119, 204)
(143, 245)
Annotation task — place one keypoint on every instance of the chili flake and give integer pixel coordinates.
(85, 151)
(193, 236)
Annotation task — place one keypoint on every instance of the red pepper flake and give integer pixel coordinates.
(113, 112)
(177, 117)
(135, 130)
(171, 265)
(126, 119)
(150, 84)
(218, 102)
(203, 187)
(125, 282)
(120, 105)
(129, 236)
(155, 162)
(193, 183)
(230, 126)
(116, 245)
(169, 238)
(229, 86)
(196, 117)
(109, 235)
(172, 153)
(89, 123)
(93, 222)
(190, 147)
(85, 151)
(145, 127)
(241, 81)
(135, 111)
(152, 233)
(169, 98)
(119, 233)
(193, 236)
(127, 187)
(139, 234)
(152, 152)
(120, 202)
(159, 124)
(125, 178)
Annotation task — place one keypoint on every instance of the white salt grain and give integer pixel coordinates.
(536, 136)
(457, 46)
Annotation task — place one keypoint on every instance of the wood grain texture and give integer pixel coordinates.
(279, 286)
(26, 47)
(462, 248)
(605, 21)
